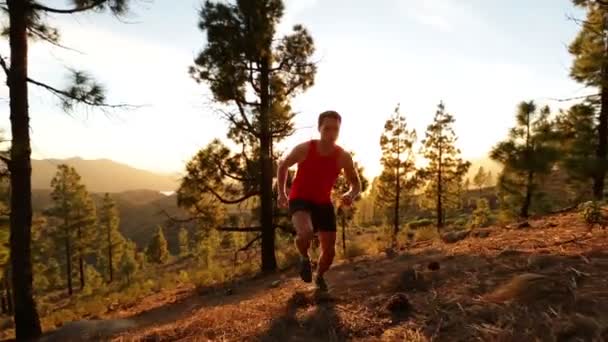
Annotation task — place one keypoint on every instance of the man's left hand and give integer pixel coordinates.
(347, 199)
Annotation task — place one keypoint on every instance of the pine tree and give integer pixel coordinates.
(397, 180)
(480, 179)
(445, 171)
(158, 251)
(249, 68)
(65, 185)
(26, 22)
(85, 224)
(481, 215)
(184, 242)
(113, 245)
(590, 67)
(527, 155)
(576, 130)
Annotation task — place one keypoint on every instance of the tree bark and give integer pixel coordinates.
(68, 258)
(80, 258)
(269, 263)
(602, 147)
(27, 322)
(110, 253)
(525, 208)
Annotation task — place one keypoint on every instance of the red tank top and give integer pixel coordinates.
(316, 176)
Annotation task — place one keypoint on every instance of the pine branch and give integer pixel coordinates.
(63, 95)
(96, 3)
(51, 41)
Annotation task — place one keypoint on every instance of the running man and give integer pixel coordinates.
(319, 165)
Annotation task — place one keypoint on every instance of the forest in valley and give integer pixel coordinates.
(69, 253)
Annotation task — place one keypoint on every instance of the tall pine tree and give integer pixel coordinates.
(445, 171)
(252, 74)
(113, 241)
(75, 212)
(26, 22)
(397, 180)
(590, 67)
(527, 155)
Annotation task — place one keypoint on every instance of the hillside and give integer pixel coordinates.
(103, 175)
(141, 212)
(546, 281)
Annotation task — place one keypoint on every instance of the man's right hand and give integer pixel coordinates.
(283, 202)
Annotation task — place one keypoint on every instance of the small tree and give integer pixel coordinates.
(184, 242)
(158, 251)
(445, 171)
(110, 234)
(128, 266)
(481, 215)
(480, 179)
(397, 179)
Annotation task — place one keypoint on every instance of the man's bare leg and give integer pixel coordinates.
(328, 252)
(303, 225)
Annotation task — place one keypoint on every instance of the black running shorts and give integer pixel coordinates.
(323, 216)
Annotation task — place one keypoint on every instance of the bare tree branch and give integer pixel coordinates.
(587, 24)
(4, 67)
(246, 247)
(234, 201)
(239, 230)
(251, 81)
(574, 98)
(39, 6)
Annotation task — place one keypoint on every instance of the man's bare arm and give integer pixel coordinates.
(295, 156)
(352, 176)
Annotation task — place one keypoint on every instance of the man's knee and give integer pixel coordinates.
(303, 226)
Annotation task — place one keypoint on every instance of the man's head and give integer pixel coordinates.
(329, 125)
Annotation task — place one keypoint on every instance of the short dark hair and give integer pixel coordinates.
(329, 114)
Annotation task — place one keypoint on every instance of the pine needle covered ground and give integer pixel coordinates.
(544, 282)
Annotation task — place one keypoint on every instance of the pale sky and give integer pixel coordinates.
(481, 57)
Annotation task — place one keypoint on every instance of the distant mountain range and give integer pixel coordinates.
(103, 175)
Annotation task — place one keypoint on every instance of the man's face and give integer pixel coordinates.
(330, 129)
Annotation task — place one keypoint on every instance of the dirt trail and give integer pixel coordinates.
(547, 282)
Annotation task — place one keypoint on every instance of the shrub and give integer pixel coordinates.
(591, 213)
(426, 233)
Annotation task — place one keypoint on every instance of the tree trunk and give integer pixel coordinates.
(80, 258)
(68, 258)
(10, 300)
(602, 147)
(27, 322)
(110, 253)
(440, 191)
(269, 263)
(525, 208)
